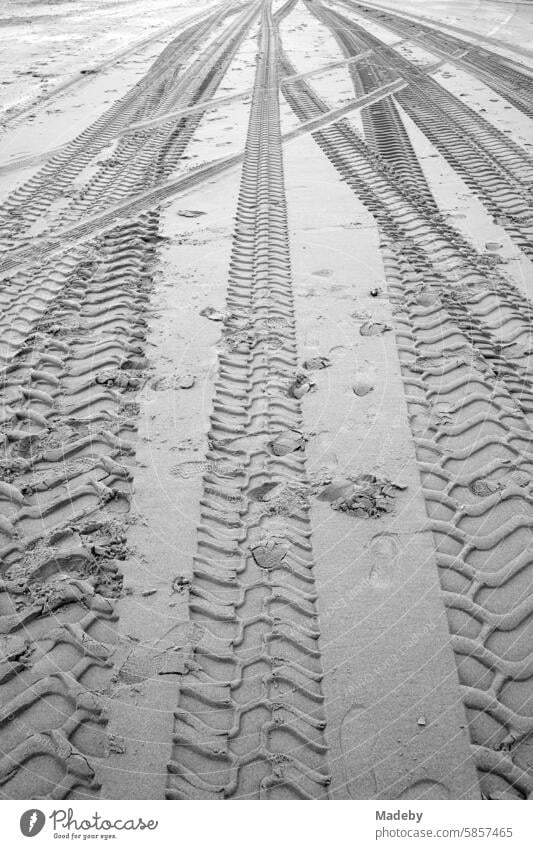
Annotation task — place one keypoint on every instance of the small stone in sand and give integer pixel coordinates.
(116, 744)
(180, 584)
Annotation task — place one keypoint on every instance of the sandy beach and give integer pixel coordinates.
(266, 400)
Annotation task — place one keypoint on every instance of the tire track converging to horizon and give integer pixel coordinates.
(74, 352)
(176, 77)
(494, 167)
(498, 73)
(463, 336)
(251, 717)
(250, 722)
(137, 164)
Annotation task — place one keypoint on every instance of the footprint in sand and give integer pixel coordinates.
(357, 746)
(383, 551)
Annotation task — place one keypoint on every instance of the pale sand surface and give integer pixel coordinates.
(265, 486)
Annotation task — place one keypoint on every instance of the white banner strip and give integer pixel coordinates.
(314, 825)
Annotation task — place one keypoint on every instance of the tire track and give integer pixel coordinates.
(477, 36)
(79, 78)
(74, 363)
(30, 202)
(68, 438)
(497, 170)
(494, 70)
(250, 719)
(464, 338)
(147, 156)
(47, 249)
(473, 441)
(152, 157)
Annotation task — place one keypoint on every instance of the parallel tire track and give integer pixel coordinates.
(151, 159)
(68, 437)
(464, 341)
(493, 166)
(73, 362)
(250, 722)
(494, 70)
(28, 203)
(470, 407)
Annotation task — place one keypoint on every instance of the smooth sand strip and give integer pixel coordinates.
(396, 728)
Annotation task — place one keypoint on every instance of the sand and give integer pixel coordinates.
(265, 486)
